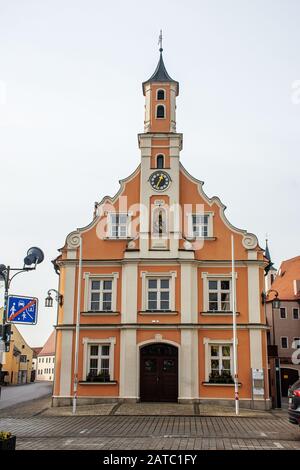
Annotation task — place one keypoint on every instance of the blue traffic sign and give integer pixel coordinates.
(22, 310)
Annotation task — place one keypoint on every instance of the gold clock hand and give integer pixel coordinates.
(160, 178)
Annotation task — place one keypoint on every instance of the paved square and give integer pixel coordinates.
(116, 432)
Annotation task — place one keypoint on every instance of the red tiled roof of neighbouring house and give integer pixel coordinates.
(36, 351)
(49, 346)
(284, 284)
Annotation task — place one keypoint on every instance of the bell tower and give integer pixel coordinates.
(160, 91)
(160, 147)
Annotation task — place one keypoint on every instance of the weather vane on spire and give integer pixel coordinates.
(160, 41)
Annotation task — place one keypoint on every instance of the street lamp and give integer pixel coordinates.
(58, 297)
(33, 257)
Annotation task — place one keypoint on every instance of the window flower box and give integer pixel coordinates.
(7, 441)
(98, 378)
(223, 378)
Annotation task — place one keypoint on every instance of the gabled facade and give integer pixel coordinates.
(17, 362)
(284, 322)
(46, 360)
(155, 284)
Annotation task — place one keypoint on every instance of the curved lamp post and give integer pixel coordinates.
(33, 257)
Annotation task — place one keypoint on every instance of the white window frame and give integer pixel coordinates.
(219, 291)
(216, 342)
(145, 275)
(111, 341)
(110, 225)
(158, 291)
(156, 108)
(210, 230)
(297, 339)
(101, 291)
(88, 278)
(217, 277)
(287, 342)
(285, 313)
(295, 308)
(161, 89)
(220, 357)
(98, 357)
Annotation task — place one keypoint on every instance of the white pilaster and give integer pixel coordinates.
(129, 293)
(128, 364)
(254, 294)
(188, 366)
(66, 362)
(69, 294)
(255, 349)
(189, 300)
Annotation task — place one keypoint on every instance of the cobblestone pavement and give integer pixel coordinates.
(152, 432)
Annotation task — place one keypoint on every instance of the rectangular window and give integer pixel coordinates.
(282, 312)
(200, 225)
(101, 295)
(23, 358)
(284, 342)
(219, 295)
(98, 363)
(158, 294)
(220, 364)
(295, 313)
(118, 225)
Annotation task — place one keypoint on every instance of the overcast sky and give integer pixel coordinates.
(71, 106)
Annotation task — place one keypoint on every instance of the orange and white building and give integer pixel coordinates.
(154, 307)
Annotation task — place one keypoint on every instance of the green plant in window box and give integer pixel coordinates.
(224, 378)
(7, 441)
(101, 377)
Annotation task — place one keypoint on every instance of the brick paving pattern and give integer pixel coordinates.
(152, 432)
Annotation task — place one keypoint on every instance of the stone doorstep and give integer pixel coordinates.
(154, 409)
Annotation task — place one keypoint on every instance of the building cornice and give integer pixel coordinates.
(160, 261)
(164, 326)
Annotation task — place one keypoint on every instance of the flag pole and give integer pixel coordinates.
(75, 377)
(235, 370)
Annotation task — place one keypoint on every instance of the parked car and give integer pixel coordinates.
(294, 403)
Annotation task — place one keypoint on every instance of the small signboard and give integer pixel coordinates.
(22, 310)
(258, 381)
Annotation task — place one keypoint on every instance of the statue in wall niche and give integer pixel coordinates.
(159, 222)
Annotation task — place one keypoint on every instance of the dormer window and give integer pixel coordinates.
(160, 112)
(161, 95)
(160, 161)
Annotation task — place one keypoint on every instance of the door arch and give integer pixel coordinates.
(159, 373)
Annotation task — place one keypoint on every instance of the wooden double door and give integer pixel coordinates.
(159, 373)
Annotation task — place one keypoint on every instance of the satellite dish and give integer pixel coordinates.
(34, 256)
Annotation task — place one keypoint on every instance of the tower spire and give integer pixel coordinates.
(160, 39)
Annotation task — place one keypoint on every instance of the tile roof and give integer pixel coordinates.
(36, 351)
(49, 346)
(288, 272)
(160, 74)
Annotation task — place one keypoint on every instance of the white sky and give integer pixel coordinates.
(71, 106)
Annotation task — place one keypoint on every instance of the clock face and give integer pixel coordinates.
(160, 180)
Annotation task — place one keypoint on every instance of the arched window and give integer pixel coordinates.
(161, 95)
(160, 111)
(160, 161)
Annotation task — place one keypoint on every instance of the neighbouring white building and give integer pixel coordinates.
(46, 360)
